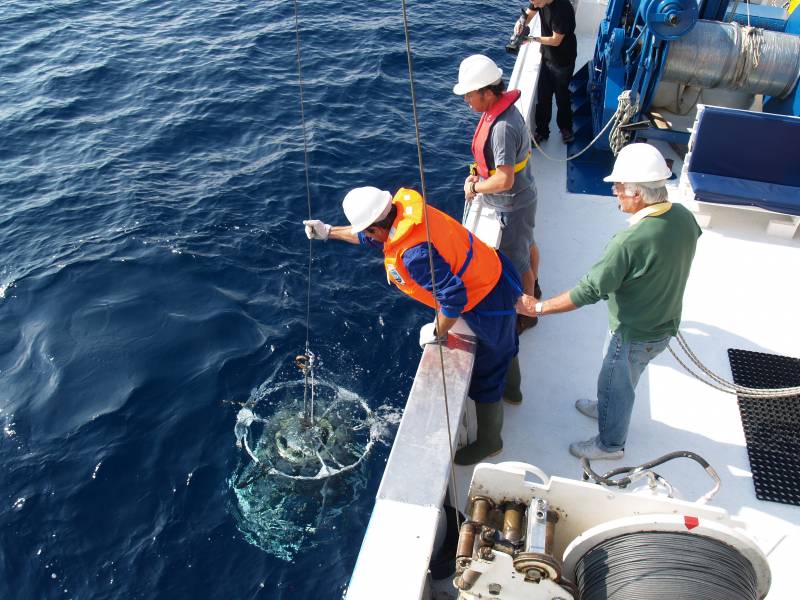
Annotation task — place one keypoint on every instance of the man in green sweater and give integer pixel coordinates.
(642, 275)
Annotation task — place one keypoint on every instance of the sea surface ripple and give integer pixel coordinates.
(153, 270)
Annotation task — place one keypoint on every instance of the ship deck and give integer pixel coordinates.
(742, 293)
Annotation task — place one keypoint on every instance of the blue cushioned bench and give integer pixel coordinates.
(746, 159)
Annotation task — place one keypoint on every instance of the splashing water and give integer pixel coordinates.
(296, 479)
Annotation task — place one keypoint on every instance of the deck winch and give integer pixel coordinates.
(734, 57)
(519, 536)
(660, 49)
(569, 539)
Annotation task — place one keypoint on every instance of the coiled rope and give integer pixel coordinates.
(665, 566)
(721, 384)
(752, 39)
(409, 57)
(625, 112)
(617, 138)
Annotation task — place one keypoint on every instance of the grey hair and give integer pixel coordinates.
(651, 192)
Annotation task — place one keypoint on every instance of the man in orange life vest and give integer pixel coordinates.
(502, 173)
(473, 281)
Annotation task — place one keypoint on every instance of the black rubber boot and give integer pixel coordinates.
(512, 392)
(489, 442)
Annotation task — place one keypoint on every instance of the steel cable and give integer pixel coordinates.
(410, 60)
(664, 566)
(305, 156)
(309, 411)
(722, 384)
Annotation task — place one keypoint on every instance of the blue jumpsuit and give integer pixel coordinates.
(493, 319)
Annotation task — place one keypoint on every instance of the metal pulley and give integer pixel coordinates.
(669, 19)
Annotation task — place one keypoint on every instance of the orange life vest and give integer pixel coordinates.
(474, 262)
(484, 128)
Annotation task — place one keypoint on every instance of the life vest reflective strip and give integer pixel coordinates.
(484, 128)
(473, 168)
(475, 263)
(517, 167)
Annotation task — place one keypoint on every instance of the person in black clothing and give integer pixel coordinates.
(559, 49)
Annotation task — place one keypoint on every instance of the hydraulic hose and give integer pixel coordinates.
(608, 479)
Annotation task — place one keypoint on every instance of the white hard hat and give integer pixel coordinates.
(475, 72)
(365, 205)
(639, 163)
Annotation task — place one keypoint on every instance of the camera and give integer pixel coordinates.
(516, 40)
(512, 47)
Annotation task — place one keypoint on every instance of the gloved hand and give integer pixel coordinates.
(427, 335)
(317, 230)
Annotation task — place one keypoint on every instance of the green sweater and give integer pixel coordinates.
(643, 275)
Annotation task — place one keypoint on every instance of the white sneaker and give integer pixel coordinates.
(589, 449)
(587, 407)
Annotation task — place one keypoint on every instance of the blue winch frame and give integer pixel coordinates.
(631, 51)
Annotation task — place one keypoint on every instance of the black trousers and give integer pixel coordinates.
(553, 79)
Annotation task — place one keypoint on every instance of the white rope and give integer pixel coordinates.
(752, 38)
(722, 384)
(617, 138)
(597, 137)
(751, 44)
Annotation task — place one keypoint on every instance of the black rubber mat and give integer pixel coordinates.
(771, 426)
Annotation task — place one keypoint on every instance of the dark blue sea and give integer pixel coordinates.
(154, 277)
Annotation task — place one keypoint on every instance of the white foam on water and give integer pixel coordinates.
(280, 514)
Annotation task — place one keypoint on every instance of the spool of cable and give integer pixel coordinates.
(664, 566)
(729, 56)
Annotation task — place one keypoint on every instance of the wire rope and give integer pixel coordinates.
(410, 60)
(661, 565)
(721, 384)
(733, 10)
(309, 409)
